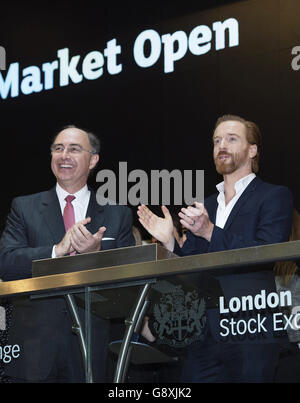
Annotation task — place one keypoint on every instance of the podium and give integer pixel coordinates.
(130, 283)
(111, 302)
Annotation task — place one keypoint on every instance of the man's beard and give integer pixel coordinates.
(224, 167)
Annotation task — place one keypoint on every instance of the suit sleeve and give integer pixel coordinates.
(192, 246)
(16, 255)
(273, 225)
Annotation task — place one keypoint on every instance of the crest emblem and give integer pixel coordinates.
(179, 317)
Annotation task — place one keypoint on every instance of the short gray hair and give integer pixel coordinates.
(93, 139)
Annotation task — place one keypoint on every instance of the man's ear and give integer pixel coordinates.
(253, 150)
(94, 161)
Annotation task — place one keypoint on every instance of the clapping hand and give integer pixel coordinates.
(196, 220)
(79, 239)
(83, 241)
(159, 228)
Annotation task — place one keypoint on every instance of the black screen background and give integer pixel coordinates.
(146, 117)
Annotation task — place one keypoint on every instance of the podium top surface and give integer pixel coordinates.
(220, 262)
(100, 259)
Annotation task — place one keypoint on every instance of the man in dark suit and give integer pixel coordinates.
(245, 212)
(38, 227)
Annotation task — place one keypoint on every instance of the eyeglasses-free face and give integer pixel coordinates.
(232, 151)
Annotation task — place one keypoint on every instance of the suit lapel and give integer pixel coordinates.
(242, 200)
(211, 206)
(50, 211)
(95, 211)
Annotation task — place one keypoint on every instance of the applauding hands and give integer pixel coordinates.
(195, 219)
(79, 239)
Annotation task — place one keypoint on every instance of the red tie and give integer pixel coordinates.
(69, 216)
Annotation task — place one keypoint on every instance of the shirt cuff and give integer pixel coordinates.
(53, 255)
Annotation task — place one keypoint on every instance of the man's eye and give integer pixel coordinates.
(58, 149)
(75, 149)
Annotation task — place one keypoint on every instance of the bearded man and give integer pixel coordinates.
(245, 212)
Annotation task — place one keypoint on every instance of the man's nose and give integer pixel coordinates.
(223, 144)
(66, 152)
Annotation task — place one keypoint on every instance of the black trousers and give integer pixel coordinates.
(212, 362)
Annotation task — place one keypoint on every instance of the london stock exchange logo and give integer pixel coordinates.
(179, 317)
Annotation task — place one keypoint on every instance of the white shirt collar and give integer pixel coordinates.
(239, 185)
(80, 196)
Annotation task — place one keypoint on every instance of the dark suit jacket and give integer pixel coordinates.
(43, 327)
(35, 224)
(262, 215)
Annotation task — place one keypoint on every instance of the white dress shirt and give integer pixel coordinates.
(80, 203)
(224, 210)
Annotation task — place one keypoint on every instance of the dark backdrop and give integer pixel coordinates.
(148, 118)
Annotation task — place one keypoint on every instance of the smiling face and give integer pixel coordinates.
(232, 151)
(70, 166)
